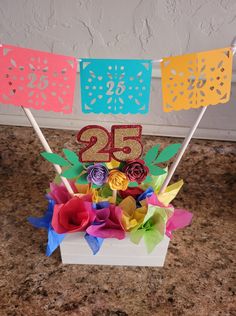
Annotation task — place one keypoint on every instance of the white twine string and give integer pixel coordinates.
(153, 60)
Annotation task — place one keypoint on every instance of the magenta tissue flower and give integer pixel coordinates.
(97, 174)
(108, 223)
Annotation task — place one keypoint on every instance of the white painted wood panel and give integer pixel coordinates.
(75, 250)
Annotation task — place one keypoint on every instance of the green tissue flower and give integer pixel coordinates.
(152, 229)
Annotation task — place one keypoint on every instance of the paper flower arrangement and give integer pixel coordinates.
(137, 208)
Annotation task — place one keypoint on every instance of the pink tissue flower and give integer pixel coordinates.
(59, 193)
(180, 218)
(108, 223)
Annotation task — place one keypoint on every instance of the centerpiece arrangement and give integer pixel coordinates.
(112, 198)
(110, 191)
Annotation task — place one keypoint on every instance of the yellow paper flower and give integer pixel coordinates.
(170, 193)
(96, 198)
(131, 216)
(118, 180)
(83, 188)
(112, 164)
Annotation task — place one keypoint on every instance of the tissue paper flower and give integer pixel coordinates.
(73, 216)
(108, 223)
(180, 219)
(136, 170)
(170, 192)
(152, 229)
(59, 193)
(148, 193)
(54, 239)
(132, 216)
(97, 174)
(177, 218)
(118, 180)
(94, 243)
(134, 192)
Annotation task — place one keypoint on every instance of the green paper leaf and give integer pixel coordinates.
(133, 184)
(82, 179)
(148, 179)
(56, 159)
(73, 172)
(151, 154)
(167, 153)
(95, 186)
(71, 156)
(106, 191)
(156, 171)
(154, 181)
(121, 166)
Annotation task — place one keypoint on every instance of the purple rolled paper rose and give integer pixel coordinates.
(97, 174)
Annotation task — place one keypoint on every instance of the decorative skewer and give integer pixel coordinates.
(46, 146)
(114, 195)
(182, 150)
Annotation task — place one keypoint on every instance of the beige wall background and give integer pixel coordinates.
(124, 29)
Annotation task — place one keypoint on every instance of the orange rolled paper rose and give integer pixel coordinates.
(73, 216)
(118, 180)
(136, 171)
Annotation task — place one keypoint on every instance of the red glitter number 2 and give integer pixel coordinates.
(124, 143)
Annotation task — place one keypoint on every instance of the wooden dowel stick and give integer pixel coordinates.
(182, 150)
(46, 146)
(114, 195)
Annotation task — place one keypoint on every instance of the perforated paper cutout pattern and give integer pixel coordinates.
(115, 85)
(36, 79)
(194, 80)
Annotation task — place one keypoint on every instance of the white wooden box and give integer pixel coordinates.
(75, 250)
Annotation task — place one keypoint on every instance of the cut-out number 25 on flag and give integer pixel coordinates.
(117, 86)
(123, 143)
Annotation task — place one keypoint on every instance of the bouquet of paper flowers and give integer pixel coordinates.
(112, 199)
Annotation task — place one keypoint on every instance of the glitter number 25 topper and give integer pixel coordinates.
(122, 144)
(117, 86)
(36, 79)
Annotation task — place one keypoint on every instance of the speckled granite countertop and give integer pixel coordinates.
(198, 275)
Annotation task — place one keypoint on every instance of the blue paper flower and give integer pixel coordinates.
(94, 243)
(145, 194)
(54, 239)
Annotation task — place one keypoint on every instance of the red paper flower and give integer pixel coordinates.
(134, 192)
(74, 216)
(136, 170)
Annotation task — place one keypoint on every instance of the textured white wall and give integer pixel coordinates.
(124, 29)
